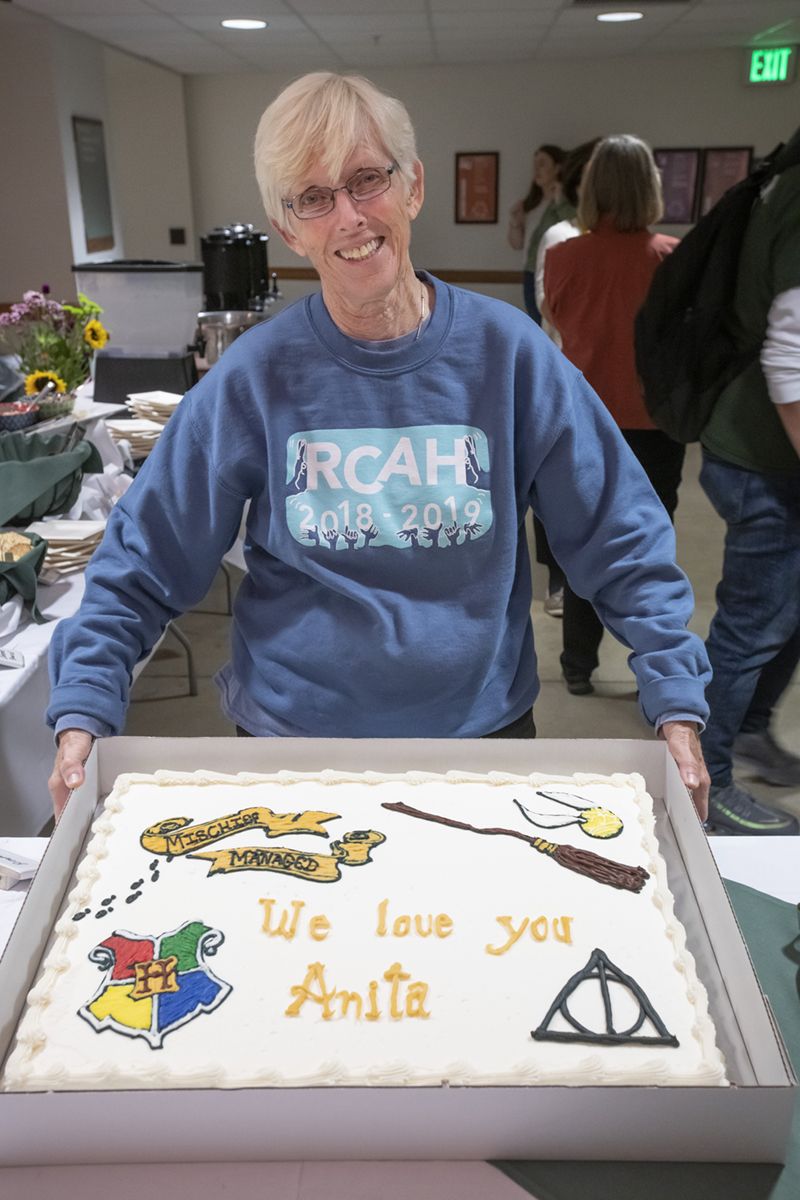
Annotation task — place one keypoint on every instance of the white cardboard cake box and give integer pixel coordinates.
(747, 1122)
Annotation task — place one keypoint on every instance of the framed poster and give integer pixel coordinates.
(723, 166)
(680, 177)
(476, 187)
(90, 150)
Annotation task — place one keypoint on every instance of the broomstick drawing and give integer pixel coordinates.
(583, 862)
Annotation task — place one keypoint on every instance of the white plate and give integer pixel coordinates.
(160, 399)
(67, 531)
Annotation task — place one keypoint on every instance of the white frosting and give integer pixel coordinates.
(482, 1006)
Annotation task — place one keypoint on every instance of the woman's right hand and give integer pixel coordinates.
(74, 746)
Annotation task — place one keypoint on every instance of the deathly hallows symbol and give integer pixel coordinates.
(154, 985)
(600, 968)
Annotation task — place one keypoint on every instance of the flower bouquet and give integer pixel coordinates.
(53, 341)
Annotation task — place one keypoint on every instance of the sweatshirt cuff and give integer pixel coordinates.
(92, 725)
(680, 716)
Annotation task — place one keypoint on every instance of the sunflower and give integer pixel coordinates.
(95, 335)
(37, 379)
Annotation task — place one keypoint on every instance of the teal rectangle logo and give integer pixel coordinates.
(421, 485)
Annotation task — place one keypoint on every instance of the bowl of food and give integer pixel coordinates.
(60, 404)
(18, 415)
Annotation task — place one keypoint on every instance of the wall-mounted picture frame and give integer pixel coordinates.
(477, 179)
(90, 152)
(680, 184)
(723, 166)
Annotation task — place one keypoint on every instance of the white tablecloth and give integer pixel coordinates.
(768, 864)
(26, 744)
(11, 900)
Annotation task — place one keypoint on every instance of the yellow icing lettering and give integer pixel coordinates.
(513, 935)
(267, 913)
(304, 992)
(282, 931)
(415, 998)
(566, 935)
(394, 975)
(539, 929)
(347, 998)
(373, 1014)
(443, 926)
(318, 928)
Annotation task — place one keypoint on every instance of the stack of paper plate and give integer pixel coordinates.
(140, 432)
(70, 543)
(154, 406)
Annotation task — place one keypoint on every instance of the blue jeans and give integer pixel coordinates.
(754, 641)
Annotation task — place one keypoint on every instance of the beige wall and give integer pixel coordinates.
(80, 90)
(35, 240)
(147, 117)
(671, 100)
(48, 74)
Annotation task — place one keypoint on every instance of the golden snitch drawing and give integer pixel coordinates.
(595, 822)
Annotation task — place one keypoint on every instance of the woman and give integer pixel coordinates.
(572, 174)
(544, 207)
(545, 190)
(390, 433)
(594, 286)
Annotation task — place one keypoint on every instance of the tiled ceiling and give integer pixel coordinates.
(187, 35)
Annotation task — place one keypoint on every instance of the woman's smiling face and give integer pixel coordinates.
(360, 249)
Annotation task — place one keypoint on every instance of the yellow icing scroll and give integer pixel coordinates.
(178, 836)
(353, 850)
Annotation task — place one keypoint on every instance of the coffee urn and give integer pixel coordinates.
(236, 284)
(235, 270)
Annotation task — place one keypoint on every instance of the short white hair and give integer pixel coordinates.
(322, 118)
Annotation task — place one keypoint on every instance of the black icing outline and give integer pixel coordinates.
(600, 967)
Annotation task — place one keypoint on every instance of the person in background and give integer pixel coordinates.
(572, 173)
(546, 202)
(751, 474)
(594, 286)
(545, 190)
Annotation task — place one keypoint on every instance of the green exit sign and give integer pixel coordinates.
(775, 65)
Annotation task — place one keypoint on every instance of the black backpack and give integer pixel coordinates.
(685, 339)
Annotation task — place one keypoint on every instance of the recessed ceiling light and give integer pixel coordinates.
(620, 16)
(244, 23)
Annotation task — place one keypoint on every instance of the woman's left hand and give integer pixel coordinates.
(684, 746)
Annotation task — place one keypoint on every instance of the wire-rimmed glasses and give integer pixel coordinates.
(366, 184)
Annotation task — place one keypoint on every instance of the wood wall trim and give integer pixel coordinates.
(467, 276)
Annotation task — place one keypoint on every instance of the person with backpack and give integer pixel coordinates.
(751, 474)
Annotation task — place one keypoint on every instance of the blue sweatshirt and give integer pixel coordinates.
(388, 586)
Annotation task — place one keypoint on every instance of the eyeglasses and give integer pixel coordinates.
(366, 184)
